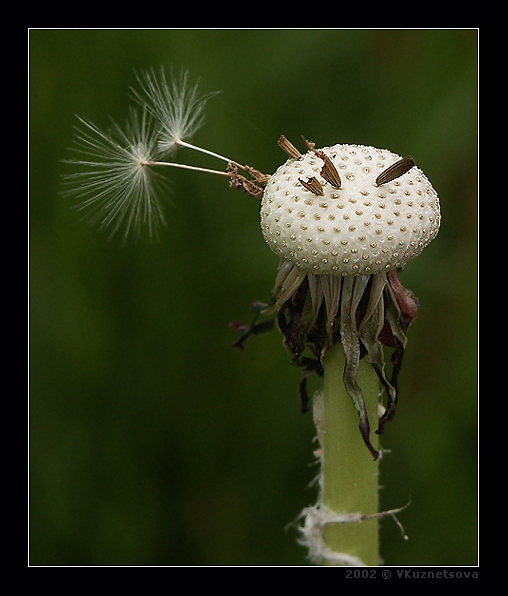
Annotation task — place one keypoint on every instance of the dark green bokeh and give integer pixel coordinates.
(153, 441)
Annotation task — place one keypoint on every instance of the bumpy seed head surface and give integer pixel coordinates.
(357, 229)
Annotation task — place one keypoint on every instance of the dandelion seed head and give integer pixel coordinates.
(355, 222)
(176, 105)
(115, 188)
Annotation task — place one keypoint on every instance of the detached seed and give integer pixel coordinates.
(313, 185)
(394, 171)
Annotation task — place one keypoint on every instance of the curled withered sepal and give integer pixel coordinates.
(364, 313)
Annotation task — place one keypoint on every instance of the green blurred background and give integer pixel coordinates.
(152, 440)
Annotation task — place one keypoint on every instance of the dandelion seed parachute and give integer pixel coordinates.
(177, 106)
(116, 188)
(120, 177)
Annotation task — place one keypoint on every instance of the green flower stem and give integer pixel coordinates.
(350, 475)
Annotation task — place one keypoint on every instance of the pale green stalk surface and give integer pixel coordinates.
(350, 475)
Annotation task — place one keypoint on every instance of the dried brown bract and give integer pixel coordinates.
(255, 187)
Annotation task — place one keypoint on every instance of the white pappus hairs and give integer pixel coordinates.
(176, 105)
(115, 190)
(116, 182)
